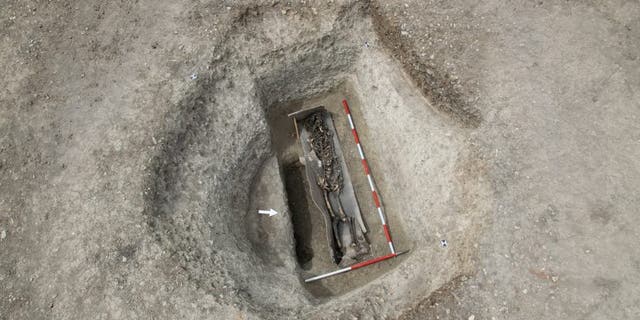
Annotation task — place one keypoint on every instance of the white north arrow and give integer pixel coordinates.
(270, 212)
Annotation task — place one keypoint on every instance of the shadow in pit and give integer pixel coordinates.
(300, 215)
(302, 219)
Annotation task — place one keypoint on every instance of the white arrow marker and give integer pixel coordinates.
(270, 212)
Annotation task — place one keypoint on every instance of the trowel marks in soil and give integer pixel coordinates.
(229, 149)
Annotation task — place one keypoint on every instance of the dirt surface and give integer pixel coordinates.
(136, 147)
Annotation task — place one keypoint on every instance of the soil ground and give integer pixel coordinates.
(136, 146)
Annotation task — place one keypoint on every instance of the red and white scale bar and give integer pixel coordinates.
(376, 200)
(354, 267)
(365, 165)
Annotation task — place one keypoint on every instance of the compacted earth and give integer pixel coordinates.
(139, 139)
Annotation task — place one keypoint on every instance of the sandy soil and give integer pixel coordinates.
(137, 140)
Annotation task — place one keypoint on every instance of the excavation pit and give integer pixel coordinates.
(312, 247)
(230, 150)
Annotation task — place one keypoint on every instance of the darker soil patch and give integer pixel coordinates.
(437, 85)
(300, 215)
